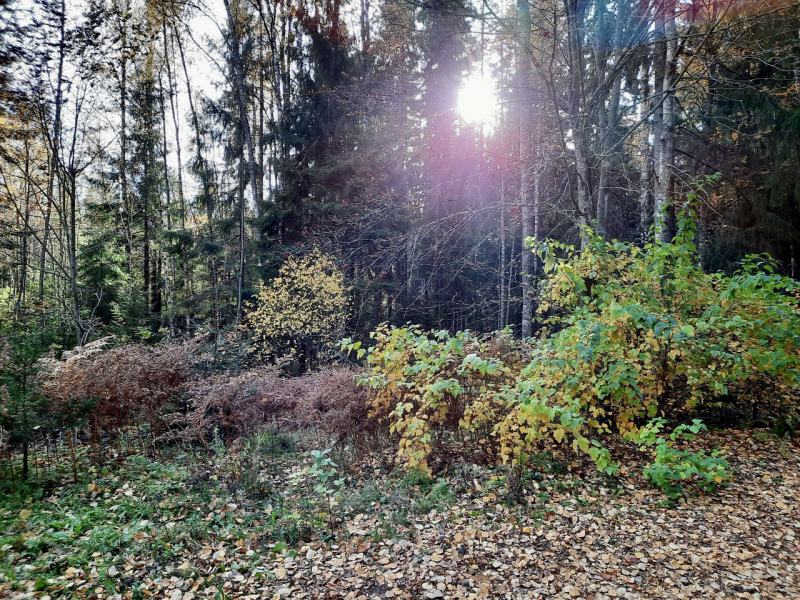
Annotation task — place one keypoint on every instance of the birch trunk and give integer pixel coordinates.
(666, 141)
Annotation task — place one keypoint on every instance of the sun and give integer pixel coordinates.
(477, 101)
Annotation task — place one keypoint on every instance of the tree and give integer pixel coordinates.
(303, 310)
(525, 156)
(244, 120)
(24, 410)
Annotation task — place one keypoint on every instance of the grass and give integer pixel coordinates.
(156, 509)
(143, 512)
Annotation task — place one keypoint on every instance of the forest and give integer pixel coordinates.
(399, 299)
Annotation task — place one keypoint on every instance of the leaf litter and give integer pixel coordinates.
(143, 532)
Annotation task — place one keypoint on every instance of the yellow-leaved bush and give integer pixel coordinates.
(429, 385)
(634, 333)
(645, 332)
(432, 387)
(303, 309)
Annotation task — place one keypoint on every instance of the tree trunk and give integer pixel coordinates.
(584, 208)
(502, 285)
(241, 96)
(173, 101)
(364, 22)
(525, 134)
(167, 191)
(208, 197)
(644, 154)
(240, 278)
(123, 137)
(609, 133)
(72, 250)
(23, 277)
(25, 460)
(55, 161)
(666, 141)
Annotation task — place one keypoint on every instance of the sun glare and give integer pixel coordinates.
(477, 102)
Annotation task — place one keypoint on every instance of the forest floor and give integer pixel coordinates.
(247, 526)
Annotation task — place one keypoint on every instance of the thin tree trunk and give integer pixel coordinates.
(123, 137)
(173, 102)
(240, 279)
(260, 132)
(168, 193)
(207, 194)
(644, 154)
(537, 200)
(241, 96)
(525, 134)
(54, 163)
(609, 134)
(73, 258)
(577, 118)
(364, 22)
(502, 321)
(666, 141)
(21, 291)
(146, 230)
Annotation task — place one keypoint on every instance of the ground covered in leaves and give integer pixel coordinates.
(185, 526)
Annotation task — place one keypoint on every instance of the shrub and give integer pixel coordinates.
(326, 483)
(330, 401)
(129, 384)
(635, 333)
(225, 404)
(24, 411)
(672, 467)
(644, 331)
(238, 405)
(640, 332)
(430, 385)
(303, 310)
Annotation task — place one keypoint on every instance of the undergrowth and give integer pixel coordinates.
(159, 509)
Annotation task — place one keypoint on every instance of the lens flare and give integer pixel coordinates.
(477, 100)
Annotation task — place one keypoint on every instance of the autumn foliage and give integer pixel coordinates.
(636, 333)
(236, 405)
(127, 385)
(428, 386)
(304, 309)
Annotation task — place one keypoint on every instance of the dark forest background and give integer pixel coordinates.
(137, 198)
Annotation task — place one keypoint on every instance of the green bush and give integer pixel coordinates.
(672, 467)
(640, 332)
(645, 331)
(633, 332)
